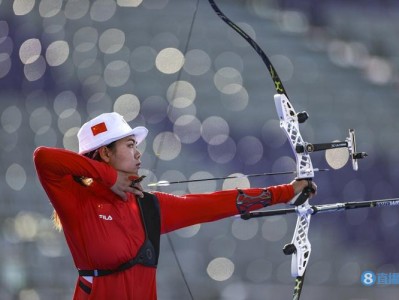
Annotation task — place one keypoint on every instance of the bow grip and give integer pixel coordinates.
(305, 194)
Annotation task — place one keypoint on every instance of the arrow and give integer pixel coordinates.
(167, 183)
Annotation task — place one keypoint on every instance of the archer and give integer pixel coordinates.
(111, 225)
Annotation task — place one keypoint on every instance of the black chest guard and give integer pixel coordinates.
(150, 214)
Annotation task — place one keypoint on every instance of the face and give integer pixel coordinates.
(125, 156)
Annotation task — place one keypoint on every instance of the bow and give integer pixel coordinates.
(300, 247)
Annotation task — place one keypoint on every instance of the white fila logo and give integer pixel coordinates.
(106, 218)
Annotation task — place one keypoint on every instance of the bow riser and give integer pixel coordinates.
(300, 247)
(300, 257)
(289, 123)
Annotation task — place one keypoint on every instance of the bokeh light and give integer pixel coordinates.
(197, 62)
(50, 8)
(181, 94)
(169, 60)
(206, 187)
(129, 3)
(30, 51)
(16, 176)
(23, 7)
(220, 269)
(11, 119)
(245, 230)
(128, 106)
(228, 80)
(187, 128)
(189, 232)
(240, 182)
(111, 40)
(34, 71)
(215, 130)
(74, 10)
(167, 145)
(117, 73)
(57, 53)
(102, 10)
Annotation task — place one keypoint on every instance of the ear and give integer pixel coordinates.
(104, 154)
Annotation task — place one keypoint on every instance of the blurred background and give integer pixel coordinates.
(207, 99)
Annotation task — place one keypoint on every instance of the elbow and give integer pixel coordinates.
(39, 154)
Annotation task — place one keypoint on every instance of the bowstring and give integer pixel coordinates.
(162, 141)
(179, 75)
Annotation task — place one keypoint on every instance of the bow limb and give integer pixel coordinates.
(276, 79)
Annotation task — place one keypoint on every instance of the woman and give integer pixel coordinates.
(111, 225)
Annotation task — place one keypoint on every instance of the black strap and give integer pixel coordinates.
(148, 253)
(145, 256)
(150, 213)
(84, 287)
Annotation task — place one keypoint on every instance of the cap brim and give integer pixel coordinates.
(139, 132)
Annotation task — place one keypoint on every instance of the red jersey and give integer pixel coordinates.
(102, 231)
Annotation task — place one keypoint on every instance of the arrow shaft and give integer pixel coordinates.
(167, 183)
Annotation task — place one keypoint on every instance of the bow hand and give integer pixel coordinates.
(304, 189)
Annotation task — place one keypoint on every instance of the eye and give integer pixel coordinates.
(132, 144)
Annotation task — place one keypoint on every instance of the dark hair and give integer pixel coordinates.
(94, 153)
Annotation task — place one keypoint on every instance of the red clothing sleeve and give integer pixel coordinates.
(56, 169)
(181, 211)
(53, 164)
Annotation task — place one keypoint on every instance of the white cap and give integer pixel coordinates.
(105, 129)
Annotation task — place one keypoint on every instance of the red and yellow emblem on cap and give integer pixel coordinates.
(98, 128)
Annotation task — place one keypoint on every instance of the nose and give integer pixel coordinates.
(137, 155)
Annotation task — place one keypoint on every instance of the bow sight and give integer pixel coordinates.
(349, 143)
(287, 114)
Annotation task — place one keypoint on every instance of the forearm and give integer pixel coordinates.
(182, 211)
